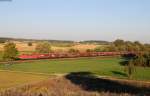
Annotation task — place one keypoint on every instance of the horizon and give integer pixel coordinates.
(71, 40)
(76, 20)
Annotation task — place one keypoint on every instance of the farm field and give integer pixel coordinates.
(102, 66)
(23, 47)
(13, 79)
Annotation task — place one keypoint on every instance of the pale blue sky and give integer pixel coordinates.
(76, 19)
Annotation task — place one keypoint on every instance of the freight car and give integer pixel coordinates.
(71, 55)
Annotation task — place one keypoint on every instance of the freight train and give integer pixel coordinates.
(71, 55)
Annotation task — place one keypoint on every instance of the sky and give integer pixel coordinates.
(76, 19)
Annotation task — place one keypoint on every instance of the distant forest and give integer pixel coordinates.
(3, 40)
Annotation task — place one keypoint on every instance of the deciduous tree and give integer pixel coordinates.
(43, 47)
(10, 51)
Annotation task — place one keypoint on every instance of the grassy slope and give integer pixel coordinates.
(80, 86)
(10, 79)
(98, 65)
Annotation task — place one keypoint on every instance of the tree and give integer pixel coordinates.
(10, 51)
(73, 50)
(137, 43)
(142, 60)
(147, 47)
(147, 56)
(112, 48)
(118, 42)
(2, 41)
(129, 47)
(89, 50)
(98, 49)
(29, 43)
(43, 47)
(130, 68)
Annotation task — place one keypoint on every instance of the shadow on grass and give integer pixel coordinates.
(119, 73)
(89, 82)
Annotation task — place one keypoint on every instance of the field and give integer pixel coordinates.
(13, 79)
(94, 76)
(102, 66)
(23, 47)
(36, 78)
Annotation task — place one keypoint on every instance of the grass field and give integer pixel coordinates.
(11, 79)
(109, 66)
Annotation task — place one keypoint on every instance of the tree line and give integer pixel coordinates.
(121, 45)
(116, 46)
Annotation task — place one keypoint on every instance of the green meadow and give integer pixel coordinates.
(102, 66)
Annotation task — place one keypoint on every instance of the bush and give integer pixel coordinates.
(43, 47)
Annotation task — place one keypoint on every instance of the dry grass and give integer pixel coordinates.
(10, 79)
(84, 47)
(70, 86)
(25, 47)
(81, 47)
(22, 46)
(1, 47)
